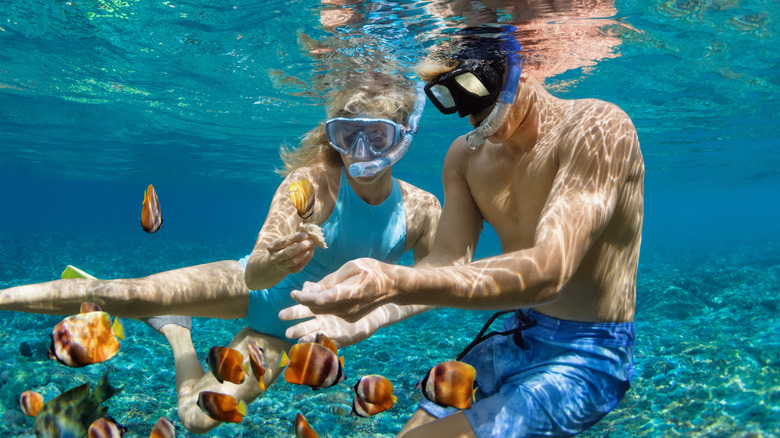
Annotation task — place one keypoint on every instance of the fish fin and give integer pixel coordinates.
(284, 360)
(104, 390)
(118, 329)
(395, 399)
(245, 367)
(74, 272)
(242, 407)
(474, 395)
(341, 361)
(261, 384)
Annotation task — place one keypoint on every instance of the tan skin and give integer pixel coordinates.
(561, 182)
(218, 290)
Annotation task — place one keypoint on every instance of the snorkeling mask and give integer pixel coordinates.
(473, 86)
(381, 140)
(468, 89)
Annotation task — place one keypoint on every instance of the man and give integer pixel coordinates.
(561, 182)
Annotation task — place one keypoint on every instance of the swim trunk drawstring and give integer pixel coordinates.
(525, 323)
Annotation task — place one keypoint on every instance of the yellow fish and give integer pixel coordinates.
(151, 214)
(163, 429)
(86, 338)
(31, 402)
(302, 427)
(450, 383)
(302, 197)
(222, 407)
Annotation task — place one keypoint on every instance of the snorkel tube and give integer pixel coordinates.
(371, 168)
(476, 138)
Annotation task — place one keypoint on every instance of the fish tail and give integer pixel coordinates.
(284, 360)
(118, 329)
(241, 408)
(104, 390)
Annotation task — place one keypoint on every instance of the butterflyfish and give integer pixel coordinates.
(314, 365)
(72, 412)
(86, 338)
(151, 214)
(106, 427)
(257, 362)
(302, 197)
(222, 407)
(227, 364)
(375, 390)
(163, 428)
(450, 383)
(363, 408)
(302, 427)
(31, 402)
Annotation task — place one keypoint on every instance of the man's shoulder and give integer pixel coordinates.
(597, 109)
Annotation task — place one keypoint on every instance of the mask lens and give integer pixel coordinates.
(443, 95)
(472, 84)
(380, 134)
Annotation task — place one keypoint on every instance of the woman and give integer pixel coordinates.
(373, 215)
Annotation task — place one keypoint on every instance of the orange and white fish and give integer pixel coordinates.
(31, 402)
(302, 197)
(450, 383)
(163, 428)
(363, 408)
(86, 338)
(313, 364)
(151, 214)
(222, 407)
(302, 427)
(227, 364)
(257, 362)
(374, 394)
(106, 427)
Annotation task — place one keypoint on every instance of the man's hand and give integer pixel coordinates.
(343, 333)
(350, 293)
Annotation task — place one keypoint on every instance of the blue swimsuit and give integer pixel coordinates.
(355, 229)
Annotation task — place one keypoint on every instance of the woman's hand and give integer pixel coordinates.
(291, 252)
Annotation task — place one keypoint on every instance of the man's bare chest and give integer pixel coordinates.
(511, 194)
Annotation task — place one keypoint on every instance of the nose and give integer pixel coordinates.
(360, 150)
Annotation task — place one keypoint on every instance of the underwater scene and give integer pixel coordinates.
(101, 98)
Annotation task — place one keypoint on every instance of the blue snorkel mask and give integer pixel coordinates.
(383, 140)
(473, 86)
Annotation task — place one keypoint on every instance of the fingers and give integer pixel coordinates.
(292, 252)
(295, 312)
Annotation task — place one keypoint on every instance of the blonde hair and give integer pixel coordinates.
(433, 68)
(368, 94)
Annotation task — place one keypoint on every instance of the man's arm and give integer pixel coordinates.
(594, 161)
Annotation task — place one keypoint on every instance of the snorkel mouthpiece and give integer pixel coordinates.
(371, 168)
(476, 138)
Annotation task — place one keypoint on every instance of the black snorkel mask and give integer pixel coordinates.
(471, 87)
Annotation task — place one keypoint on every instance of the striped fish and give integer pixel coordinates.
(151, 215)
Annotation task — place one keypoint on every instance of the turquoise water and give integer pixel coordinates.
(100, 98)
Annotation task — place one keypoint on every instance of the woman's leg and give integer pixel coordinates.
(191, 379)
(424, 425)
(215, 290)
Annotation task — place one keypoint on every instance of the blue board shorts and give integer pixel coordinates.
(558, 379)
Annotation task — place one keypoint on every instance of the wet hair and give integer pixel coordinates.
(363, 94)
(478, 46)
